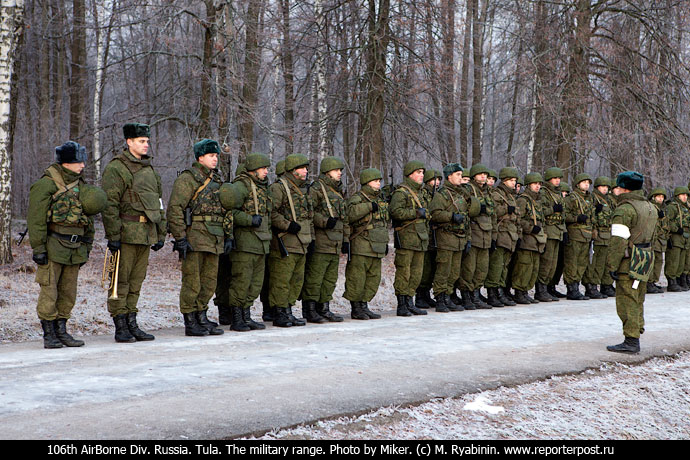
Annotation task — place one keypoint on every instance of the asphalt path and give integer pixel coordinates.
(181, 388)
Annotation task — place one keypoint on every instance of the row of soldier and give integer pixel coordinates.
(452, 232)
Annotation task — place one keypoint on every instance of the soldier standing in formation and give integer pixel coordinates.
(658, 198)
(134, 223)
(596, 273)
(423, 299)
(552, 202)
(61, 229)
(578, 218)
(679, 242)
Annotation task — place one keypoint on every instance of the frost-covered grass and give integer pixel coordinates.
(618, 401)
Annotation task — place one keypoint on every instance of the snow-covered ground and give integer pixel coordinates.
(646, 401)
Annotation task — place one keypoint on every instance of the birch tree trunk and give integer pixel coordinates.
(11, 27)
(321, 89)
(101, 16)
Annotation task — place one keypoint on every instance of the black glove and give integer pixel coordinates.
(669, 243)
(614, 275)
(330, 223)
(492, 248)
(256, 220)
(458, 218)
(114, 246)
(598, 208)
(374, 206)
(158, 246)
(421, 213)
(518, 243)
(557, 207)
(482, 209)
(346, 248)
(566, 238)
(228, 246)
(536, 229)
(311, 247)
(40, 259)
(660, 214)
(468, 246)
(511, 209)
(679, 231)
(582, 218)
(294, 228)
(182, 246)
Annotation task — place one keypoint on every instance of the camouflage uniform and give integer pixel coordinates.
(578, 218)
(596, 271)
(661, 236)
(679, 241)
(552, 203)
(422, 296)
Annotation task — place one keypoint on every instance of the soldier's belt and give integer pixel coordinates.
(643, 245)
(71, 238)
(130, 218)
(207, 219)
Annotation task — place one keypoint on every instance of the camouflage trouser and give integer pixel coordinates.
(362, 278)
(526, 269)
(656, 271)
(596, 272)
(675, 262)
(199, 273)
(134, 260)
(548, 260)
(686, 268)
(408, 271)
(320, 277)
(474, 269)
(286, 276)
(447, 271)
(222, 298)
(498, 268)
(575, 262)
(247, 276)
(630, 305)
(429, 270)
(58, 293)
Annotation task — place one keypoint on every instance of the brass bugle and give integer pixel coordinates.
(111, 269)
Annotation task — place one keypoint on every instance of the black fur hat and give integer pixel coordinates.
(70, 152)
(132, 130)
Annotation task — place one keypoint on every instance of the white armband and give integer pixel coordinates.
(620, 230)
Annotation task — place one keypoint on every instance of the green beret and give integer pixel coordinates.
(553, 172)
(582, 176)
(430, 174)
(658, 191)
(255, 161)
(368, 175)
(280, 168)
(205, 146)
(411, 166)
(451, 168)
(631, 180)
(508, 173)
(493, 174)
(230, 195)
(533, 177)
(132, 130)
(93, 199)
(478, 169)
(680, 190)
(602, 180)
(331, 163)
(564, 187)
(295, 160)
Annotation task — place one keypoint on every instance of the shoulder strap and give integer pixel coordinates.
(328, 202)
(255, 196)
(56, 176)
(203, 186)
(414, 195)
(289, 197)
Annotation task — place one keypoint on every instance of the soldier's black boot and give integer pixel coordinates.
(592, 292)
(238, 323)
(402, 306)
(192, 328)
(521, 297)
(207, 324)
(609, 291)
(653, 288)
(505, 299)
(673, 286)
(467, 303)
(629, 345)
(133, 327)
(281, 318)
(309, 312)
(551, 289)
(358, 311)
(412, 308)
(247, 317)
(323, 309)
(295, 320)
(477, 301)
(683, 282)
(493, 298)
(50, 340)
(574, 292)
(122, 334)
(268, 314)
(60, 326)
(224, 315)
(422, 299)
(442, 302)
(541, 294)
(369, 313)
(453, 297)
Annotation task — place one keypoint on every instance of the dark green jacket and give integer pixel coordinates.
(531, 216)
(449, 200)
(257, 201)
(282, 214)
(679, 218)
(368, 229)
(412, 231)
(663, 232)
(324, 192)
(484, 225)
(554, 220)
(508, 223)
(579, 202)
(602, 220)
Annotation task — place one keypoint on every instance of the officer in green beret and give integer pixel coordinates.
(423, 299)
(662, 234)
(293, 239)
(679, 242)
(252, 235)
(367, 214)
(630, 258)
(508, 232)
(552, 202)
(411, 236)
(332, 232)
(578, 218)
(134, 222)
(196, 221)
(61, 229)
(533, 239)
(596, 273)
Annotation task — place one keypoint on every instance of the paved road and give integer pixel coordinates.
(179, 387)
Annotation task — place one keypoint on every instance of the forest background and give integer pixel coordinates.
(594, 86)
